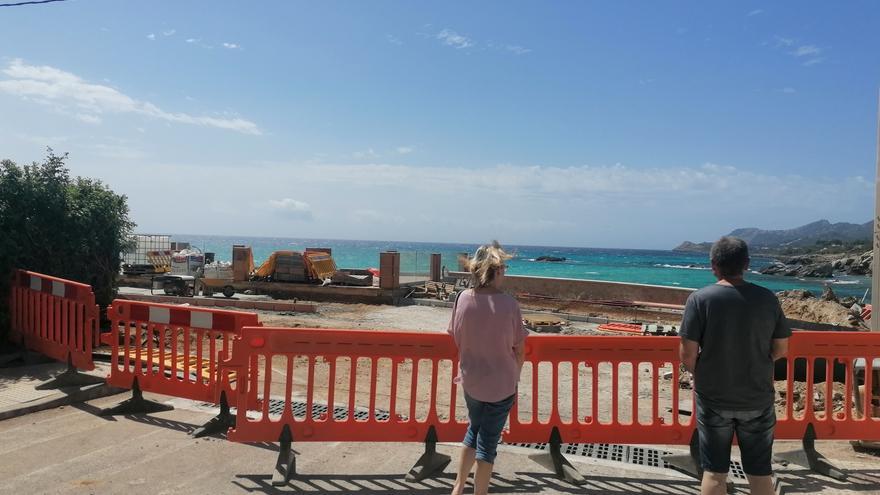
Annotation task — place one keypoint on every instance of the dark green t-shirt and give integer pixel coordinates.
(735, 326)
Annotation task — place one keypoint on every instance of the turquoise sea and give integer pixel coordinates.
(621, 265)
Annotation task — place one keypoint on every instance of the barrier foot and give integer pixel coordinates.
(688, 463)
(285, 466)
(219, 423)
(814, 460)
(430, 462)
(563, 468)
(70, 378)
(136, 404)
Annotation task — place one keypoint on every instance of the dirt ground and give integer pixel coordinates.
(819, 311)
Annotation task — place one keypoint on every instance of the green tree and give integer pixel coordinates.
(72, 228)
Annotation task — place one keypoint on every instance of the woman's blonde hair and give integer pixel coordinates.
(486, 262)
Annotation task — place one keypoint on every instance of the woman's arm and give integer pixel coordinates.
(520, 352)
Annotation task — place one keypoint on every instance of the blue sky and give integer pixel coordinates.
(606, 124)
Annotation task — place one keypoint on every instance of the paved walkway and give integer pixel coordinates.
(70, 449)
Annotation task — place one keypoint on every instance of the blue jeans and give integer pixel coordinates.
(486, 422)
(754, 434)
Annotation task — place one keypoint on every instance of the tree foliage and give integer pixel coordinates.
(72, 228)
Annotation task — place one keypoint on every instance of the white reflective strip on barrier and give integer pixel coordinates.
(57, 288)
(36, 283)
(199, 319)
(160, 315)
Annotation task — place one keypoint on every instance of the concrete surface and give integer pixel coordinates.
(73, 450)
(19, 397)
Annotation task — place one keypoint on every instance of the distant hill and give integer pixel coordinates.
(803, 236)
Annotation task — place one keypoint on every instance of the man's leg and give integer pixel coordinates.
(755, 437)
(760, 485)
(716, 436)
(713, 483)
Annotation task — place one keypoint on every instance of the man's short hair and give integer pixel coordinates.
(730, 255)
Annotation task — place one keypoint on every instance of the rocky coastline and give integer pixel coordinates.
(820, 265)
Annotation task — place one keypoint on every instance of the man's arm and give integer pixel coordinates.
(780, 348)
(688, 351)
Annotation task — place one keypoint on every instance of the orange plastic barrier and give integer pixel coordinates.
(53, 316)
(351, 385)
(818, 357)
(171, 350)
(621, 328)
(355, 355)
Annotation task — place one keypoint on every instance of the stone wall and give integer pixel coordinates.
(567, 288)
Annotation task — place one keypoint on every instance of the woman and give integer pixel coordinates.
(487, 327)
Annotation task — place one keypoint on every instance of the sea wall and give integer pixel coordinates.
(568, 288)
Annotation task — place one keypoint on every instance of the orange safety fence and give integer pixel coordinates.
(171, 350)
(54, 316)
(621, 328)
(818, 359)
(352, 385)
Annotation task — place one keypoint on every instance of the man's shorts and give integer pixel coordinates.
(486, 421)
(754, 434)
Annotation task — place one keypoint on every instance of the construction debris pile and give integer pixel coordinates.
(827, 308)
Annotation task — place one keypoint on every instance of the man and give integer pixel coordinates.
(731, 333)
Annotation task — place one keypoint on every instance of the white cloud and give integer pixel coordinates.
(88, 118)
(231, 46)
(810, 53)
(170, 32)
(706, 181)
(405, 150)
(369, 153)
(151, 36)
(788, 90)
(42, 140)
(192, 40)
(755, 12)
(115, 151)
(806, 50)
(375, 217)
(529, 204)
(394, 40)
(291, 208)
(518, 50)
(71, 94)
(782, 41)
(453, 39)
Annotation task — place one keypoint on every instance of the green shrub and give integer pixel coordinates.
(73, 228)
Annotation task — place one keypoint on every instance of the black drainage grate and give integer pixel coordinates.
(640, 456)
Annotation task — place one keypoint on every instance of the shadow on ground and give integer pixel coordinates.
(806, 481)
(792, 482)
(523, 482)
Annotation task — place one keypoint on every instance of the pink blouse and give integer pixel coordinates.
(486, 327)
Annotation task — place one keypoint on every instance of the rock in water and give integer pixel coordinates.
(549, 258)
(816, 270)
(774, 268)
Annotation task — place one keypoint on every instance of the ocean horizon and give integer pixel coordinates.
(644, 266)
